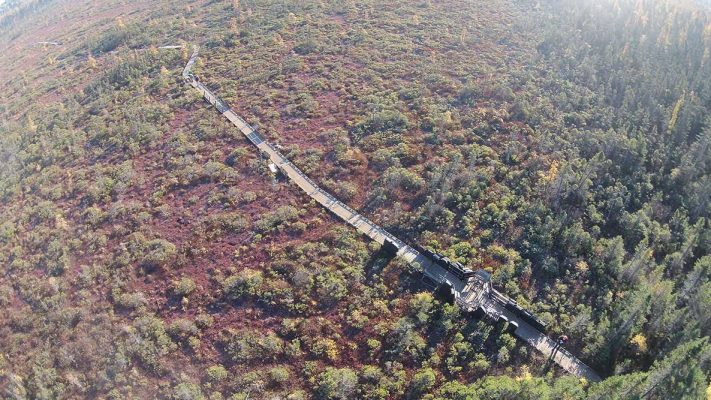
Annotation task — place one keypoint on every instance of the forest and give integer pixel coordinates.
(147, 251)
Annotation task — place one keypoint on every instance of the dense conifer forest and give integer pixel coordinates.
(147, 250)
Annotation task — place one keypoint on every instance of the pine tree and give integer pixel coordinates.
(678, 376)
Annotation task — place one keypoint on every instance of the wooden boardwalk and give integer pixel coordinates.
(533, 337)
(468, 295)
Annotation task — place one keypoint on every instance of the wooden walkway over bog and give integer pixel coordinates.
(470, 295)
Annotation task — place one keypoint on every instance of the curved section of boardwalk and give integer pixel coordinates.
(468, 295)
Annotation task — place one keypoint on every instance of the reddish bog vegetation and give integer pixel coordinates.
(147, 251)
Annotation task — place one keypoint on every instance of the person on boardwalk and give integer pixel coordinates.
(562, 339)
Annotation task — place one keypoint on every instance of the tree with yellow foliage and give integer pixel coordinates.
(91, 62)
(31, 124)
(639, 343)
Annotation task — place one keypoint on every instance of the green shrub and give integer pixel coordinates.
(184, 286)
(246, 197)
(131, 300)
(188, 391)
(216, 171)
(149, 342)
(401, 178)
(423, 381)
(217, 373)
(331, 287)
(421, 306)
(325, 347)
(306, 47)
(245, 283)
(181, 329)
(382, 121)
(276, 218)
(298, 227)
(231, 222)
(158, 251)
(279, 375)
(337, 384)
(7, 231)
(245, 346)
(204, 320)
